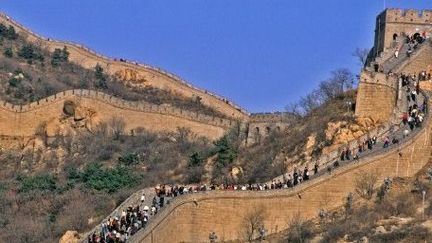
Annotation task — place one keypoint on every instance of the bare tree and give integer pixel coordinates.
(183, 134)
(117, 127)
(299, 230)
(349, 201)
(365, 184)
(343, 78)
(252, 223)
(361, 54)
(293, 109)
(41, 132)
(311, 101)
(340, 81)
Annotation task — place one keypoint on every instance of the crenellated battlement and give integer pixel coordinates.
(269, 117)
(407, 16)
(119, 103)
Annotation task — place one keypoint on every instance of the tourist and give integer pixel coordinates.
(386, 142)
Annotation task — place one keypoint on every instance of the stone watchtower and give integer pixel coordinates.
(392, 23)
(378, 92)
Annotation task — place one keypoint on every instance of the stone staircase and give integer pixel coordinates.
(387, 60)
(392, 63)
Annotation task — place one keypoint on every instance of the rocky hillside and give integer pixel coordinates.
(320, 131)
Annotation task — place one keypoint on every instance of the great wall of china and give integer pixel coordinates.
(142, 75)
(22, 120)
(192, 217)
(152, 76)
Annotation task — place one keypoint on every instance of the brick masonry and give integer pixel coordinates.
(193, 217)
(24, 120)
(376, 96)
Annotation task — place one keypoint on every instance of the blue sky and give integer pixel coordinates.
(260, 54)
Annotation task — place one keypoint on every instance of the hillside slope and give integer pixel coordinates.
(141, 75)
(28, 72)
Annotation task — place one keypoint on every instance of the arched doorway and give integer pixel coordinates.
(257, 135)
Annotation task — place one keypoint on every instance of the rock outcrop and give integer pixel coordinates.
(70, 237)
(340, 133)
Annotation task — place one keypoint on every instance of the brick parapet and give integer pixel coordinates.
(119, 103)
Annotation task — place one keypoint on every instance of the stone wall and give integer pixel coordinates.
(193, 217)
(148, 75)
(256, 131)
(261, 125)
(17, 120)
(376, 96)
(421, 61)
(138, 74)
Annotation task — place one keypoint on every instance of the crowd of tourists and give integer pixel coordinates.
(413, 41)
(414, 79)
(118, 229)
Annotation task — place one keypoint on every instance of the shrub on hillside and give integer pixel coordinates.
(8, 52)
(101, 78)
(108, 180)
(195, 169)
(8, 32)
(129, 159)
(59, 56)
(14, 82)
(299, 230)
(225, 152)
(365, 184)
(195, 160)
(401, 204)
(72, 172)
(194, 174)
(39, 182)
(407, 234)
(30, 53)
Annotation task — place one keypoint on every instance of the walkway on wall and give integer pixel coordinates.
(292, 192)
(396, 132)
(392, 131)
(140, 106)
